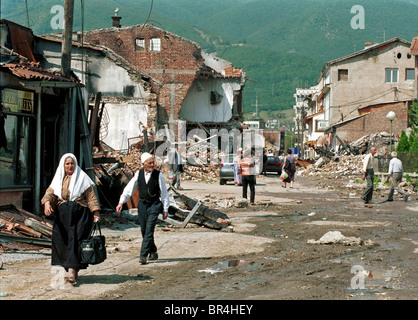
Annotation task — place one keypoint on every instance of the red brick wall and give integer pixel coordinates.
(375, 122)
(177, 62)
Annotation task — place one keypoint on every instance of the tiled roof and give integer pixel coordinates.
(27, 70)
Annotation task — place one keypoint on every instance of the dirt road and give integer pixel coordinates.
(266, 257)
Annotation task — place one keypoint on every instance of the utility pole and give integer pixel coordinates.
(67, 38)
(256, 105)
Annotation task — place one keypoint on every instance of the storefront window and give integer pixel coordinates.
(15, 138)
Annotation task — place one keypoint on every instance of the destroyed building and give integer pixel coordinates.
(41, 118)
(190, 85)
(356, 91)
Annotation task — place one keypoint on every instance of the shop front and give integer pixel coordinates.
(17, 121)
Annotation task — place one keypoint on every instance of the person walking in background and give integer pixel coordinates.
(248, 177)
(237, 170)
(175, 165)
(396, 171)
(72, 198)
(264, 162)
(289, 166)
(154, 200)
(368, 175)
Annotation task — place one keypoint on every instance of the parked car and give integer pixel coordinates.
(273, 164)
(226, 172)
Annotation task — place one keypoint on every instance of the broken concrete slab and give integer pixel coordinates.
(336, 237)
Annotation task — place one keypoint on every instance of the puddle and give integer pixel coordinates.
(224, 265)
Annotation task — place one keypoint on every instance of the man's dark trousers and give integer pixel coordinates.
(148, 212)
(248, 181)
(368, 192)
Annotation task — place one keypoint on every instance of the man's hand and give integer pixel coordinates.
(119, 208)
(364, 176)
(165, 215)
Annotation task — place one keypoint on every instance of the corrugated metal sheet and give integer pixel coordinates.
(414, 46)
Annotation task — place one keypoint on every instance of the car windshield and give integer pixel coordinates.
(272, 159)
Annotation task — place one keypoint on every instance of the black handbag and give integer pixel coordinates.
(93, 249)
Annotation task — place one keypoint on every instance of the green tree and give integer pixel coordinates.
(413, 142)
(403, 144)
(413, 116)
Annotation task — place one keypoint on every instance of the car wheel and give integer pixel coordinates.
(222, 182)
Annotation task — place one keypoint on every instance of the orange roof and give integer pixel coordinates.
(28, 70)
(414, 46)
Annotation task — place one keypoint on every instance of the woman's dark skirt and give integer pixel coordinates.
(72, 224)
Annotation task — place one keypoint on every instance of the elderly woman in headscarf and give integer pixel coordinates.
(72, 199)
(154, 200)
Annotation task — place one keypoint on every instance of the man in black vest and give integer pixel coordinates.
(152, 188)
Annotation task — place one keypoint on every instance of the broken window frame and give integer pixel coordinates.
(342, 74)
(155, 44)
(140, 44)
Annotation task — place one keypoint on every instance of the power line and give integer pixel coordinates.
(27, 13)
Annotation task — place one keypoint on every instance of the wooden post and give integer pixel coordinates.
(67, 38)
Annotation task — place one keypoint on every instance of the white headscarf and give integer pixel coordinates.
(145, 156)
(79, 183)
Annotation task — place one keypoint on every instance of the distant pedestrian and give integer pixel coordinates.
(154, 200)
(289, 166)
(264, 162)
(237, 170)
(396, 171)
(72, 199)
(368, 175)
(248, 176)
(176, 166)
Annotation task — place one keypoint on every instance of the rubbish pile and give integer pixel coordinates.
(336, 237)
(348, 159)
(345, 166)
(18, 225)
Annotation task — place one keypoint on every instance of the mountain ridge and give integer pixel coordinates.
(280, 44)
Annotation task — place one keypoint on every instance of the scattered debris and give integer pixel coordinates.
(23, 227)
(336, 237)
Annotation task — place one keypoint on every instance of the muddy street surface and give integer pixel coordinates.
(274, 252)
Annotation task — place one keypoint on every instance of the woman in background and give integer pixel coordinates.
(289, 166)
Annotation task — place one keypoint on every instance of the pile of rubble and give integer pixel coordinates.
(25, 228)
(348, 158)
(345, 166)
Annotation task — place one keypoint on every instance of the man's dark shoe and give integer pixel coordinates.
(153, 256)
(389, 199)
(142, 259)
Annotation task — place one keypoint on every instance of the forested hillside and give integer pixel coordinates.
(281, 44)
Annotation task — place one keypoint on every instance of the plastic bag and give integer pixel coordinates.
(284, 175)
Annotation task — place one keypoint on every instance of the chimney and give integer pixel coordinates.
(116, 19)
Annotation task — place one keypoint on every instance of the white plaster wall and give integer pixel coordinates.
(366, 82)
(124, 120)
(197, 106)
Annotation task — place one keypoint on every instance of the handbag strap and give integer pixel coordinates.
(96, 226)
